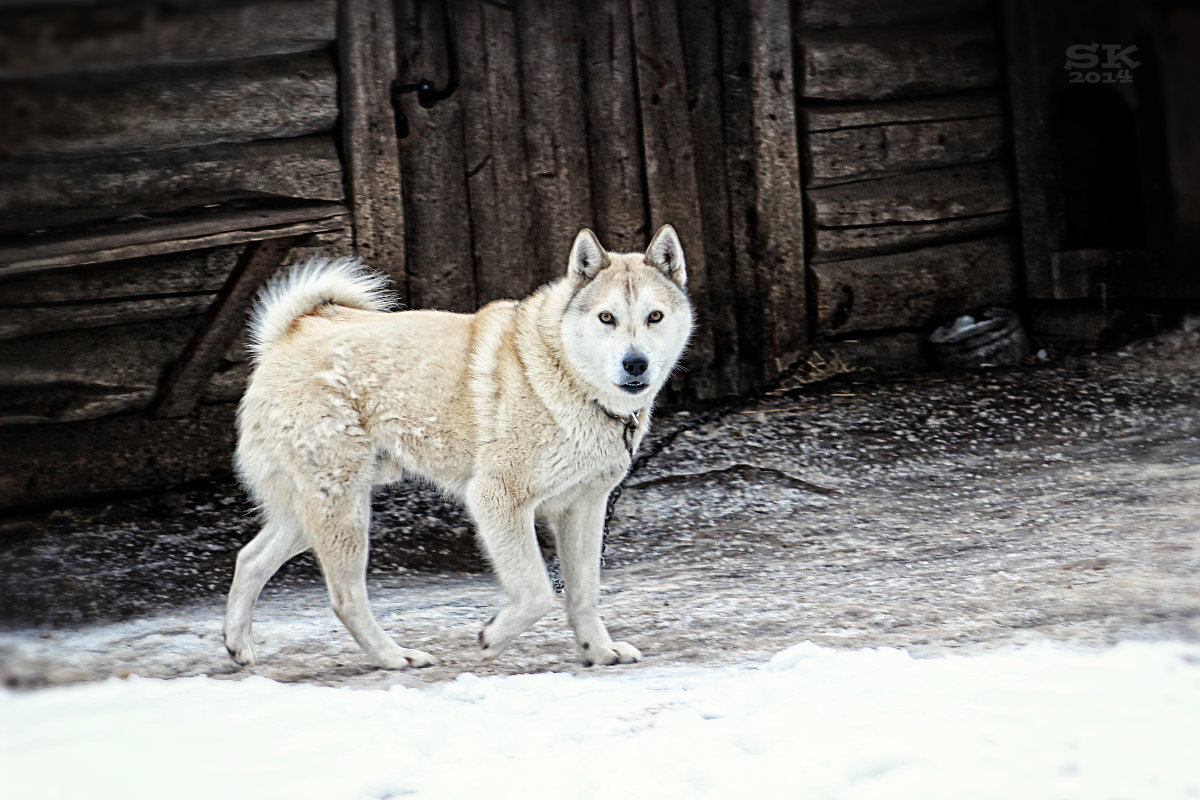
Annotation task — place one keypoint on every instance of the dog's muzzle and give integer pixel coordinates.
(634, 365)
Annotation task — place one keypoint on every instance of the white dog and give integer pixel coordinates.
(524, 409)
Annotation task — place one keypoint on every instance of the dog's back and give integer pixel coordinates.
(339, 381)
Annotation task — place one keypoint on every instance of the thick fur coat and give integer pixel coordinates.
(522, 410)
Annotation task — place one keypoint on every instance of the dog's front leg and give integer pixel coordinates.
(507, 533)
(579, 531)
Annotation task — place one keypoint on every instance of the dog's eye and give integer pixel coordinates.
(655, 316)
(607, 318)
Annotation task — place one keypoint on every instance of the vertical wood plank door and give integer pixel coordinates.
(621, 116)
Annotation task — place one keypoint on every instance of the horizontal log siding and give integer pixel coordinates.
(88, 38)
(908, 189)
(122, 453)
(145, 143)
(270, 170)
(914, 289)
(170, 107)
(876, 64)
(88, 372)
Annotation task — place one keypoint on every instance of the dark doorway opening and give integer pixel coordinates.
(1101, 171)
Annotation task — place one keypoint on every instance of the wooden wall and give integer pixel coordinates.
(837, 170)
(907, 174)
(148, 150)
(618, 115)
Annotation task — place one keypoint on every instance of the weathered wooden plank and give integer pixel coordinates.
(305, 168)
(701, 35)
(147, 239)
(837, 244)
(672, 192)
(618, 171)
(437, 212)
(36, 405)
(874, 64)
(555, 127)
(366, 46)
(763, 175)
(339, 241)
(937, 194)
(88, 373)
(1105, 273)
(882, 353)
(72, 461)
(228, 383)
(1072, 327)
(202, 271)
(739, 152)
(170, 107)
(495, 153)
(25, 321)
(1036, 165)
(226, 317)
(858, 115)
(42, 41)
(776, 217)
(852, 13)
(861, 153)
(914, 289)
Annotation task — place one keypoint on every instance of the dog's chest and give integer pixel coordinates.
(582, 456)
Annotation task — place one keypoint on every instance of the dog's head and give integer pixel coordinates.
(628, 319)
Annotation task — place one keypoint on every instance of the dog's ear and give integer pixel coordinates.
(666, 254)
(587, 257)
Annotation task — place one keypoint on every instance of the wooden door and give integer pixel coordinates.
(617, 115)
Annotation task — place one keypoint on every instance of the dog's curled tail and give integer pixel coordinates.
(305, 287)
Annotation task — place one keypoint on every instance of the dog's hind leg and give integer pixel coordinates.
(340, 540)
(508, 536)
(280, 540)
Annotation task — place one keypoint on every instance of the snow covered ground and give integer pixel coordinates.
(814, 722)
(966, 521)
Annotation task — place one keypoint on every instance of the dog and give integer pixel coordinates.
(524, 410)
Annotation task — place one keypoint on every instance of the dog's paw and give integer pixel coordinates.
(608, 654)
(489, 646)
(512, 620)
(243, 654)
(405, 659)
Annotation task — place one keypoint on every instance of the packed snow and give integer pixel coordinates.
(814, 722)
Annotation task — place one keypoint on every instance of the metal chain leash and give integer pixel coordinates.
(628, 435)
(613, 497)
(553, 567)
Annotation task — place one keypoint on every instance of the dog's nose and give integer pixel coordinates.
(635, 365)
